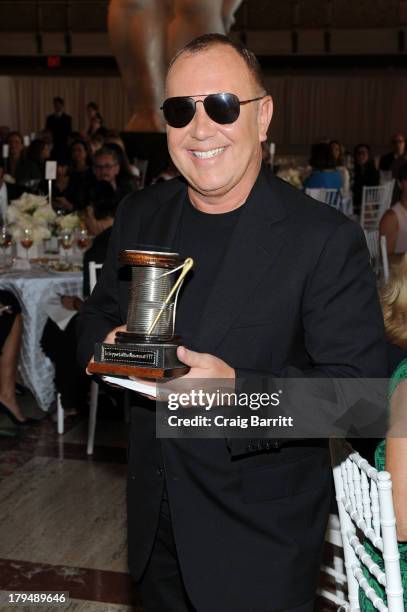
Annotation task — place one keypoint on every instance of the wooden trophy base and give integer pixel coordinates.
(108, 369)
(139, 359)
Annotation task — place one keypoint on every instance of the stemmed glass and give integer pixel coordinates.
(82, 239)
(27, 240)
(66, 241)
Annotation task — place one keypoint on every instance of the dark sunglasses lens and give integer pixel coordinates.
(222, 108)
(178, 112)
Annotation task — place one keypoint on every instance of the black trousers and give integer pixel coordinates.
(161, 587)
(60, 346)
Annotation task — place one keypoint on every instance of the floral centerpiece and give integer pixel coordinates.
(68, 223)
(30, 212)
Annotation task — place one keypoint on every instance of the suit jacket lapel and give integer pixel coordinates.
(254, 247)
(162, 227)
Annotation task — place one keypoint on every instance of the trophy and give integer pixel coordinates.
(148, 348)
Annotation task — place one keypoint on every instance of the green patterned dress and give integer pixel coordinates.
(380, 461)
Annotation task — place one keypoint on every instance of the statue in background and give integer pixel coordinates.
(145, 34)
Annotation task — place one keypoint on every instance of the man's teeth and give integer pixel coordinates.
(206, 154)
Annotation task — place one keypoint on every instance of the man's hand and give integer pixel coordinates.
(111, 336)
(204, 365)
(71, 302)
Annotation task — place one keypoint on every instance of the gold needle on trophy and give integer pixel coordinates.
(188, 264)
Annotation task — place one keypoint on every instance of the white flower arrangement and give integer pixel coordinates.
(68, 222)
(32, 212)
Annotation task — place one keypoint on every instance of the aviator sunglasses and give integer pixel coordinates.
(222, 108)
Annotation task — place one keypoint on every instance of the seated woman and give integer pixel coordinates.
(11, 329)
(338, 153)
(365, 174)
(391, 454)
(58, 345)
(393, 224)
(324, 174)
(31, 168)
(81, 174)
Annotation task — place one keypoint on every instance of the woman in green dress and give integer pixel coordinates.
(391, 454)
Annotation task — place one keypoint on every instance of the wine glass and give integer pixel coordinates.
(27, 240)
(5, 241)
(66, 241)
(82, 239)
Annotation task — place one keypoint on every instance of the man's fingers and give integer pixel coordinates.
(191, 358)
(87, 371)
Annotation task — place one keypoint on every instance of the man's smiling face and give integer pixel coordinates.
(220, 162)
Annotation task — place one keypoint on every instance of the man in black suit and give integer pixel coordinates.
(60, 126)
(281, 283)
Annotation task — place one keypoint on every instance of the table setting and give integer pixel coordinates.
(40, 260)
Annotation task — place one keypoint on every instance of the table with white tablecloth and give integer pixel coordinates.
(34, 288)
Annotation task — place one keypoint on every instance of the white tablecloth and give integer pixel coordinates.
(33, 289)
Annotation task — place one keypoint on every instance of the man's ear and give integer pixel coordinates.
(264, 116)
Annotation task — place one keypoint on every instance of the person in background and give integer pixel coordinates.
(393, 298)
(393, 224)
(16, 152)
(391, 162)
(131, 171)
(63, 192)
(60, 345)
(128, 171)
(60, 126)
(324, 174)
(96, 142)
(11, 330)
(92, 110)
(96, 124)
(106, 167)
(365, 174)
(81, 173)
(46, 136)
(338, 153)
(31, 169)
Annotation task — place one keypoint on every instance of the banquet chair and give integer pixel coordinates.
(379, 258)
(365, 506)
(94, 387)
(332, 197)
(375, 202)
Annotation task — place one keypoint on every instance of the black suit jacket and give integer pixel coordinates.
(294, 291)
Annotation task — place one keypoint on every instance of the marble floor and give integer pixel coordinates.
(62, 514)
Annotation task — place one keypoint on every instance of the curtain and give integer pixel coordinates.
(352, 109)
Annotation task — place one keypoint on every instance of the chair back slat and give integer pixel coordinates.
(93, 270)
(379, 258)
(375, 202)
(332, 197)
